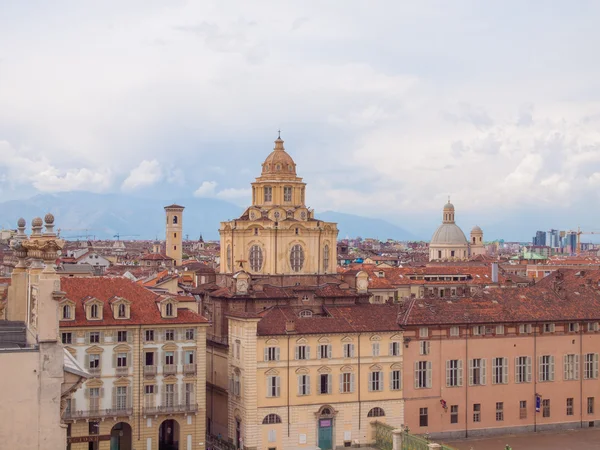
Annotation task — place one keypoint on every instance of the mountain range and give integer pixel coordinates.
(104, 216)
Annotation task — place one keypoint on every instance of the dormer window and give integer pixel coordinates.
(122, 311)
(67, 312)
(305, 313)
(169, 309)
(94, 311)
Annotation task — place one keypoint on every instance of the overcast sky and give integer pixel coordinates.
(387, 107)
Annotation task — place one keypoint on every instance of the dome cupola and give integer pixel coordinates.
(279, 163)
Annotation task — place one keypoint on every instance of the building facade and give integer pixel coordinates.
(146, 357)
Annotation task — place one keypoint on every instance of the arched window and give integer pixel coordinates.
(169, 309)
(256, 258)
(94, 311)
(237, 387)
(326, 412)
(175, 220)
(305, 313)
(121, 310)
(271, 418)
(297, 258)
(326, 258)
(66, 312)
(376, 412)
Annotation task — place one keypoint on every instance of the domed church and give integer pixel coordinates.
(449, 243)
(278, 234)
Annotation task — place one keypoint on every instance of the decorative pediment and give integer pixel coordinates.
(169, 347)
(168, 308)
(347, 339)
(302, 371)
(122, 381)
(375, 337)
(396, 366)
(122, 348)
(301, 341)
(94, 349)
(324, 369)
(93, 308)
(272, 342)
(67, 309)
(323, 340)
(272, 372)
(121, 307)
(375, 368)
(170, 379)
(346, 369)
(396, 337)
(94, 382)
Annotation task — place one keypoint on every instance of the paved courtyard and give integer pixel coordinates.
(585, 439)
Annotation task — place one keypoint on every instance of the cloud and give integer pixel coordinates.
(206, 189)
(144, 175)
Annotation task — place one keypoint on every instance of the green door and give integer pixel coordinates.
(325, 434)
(114, 442)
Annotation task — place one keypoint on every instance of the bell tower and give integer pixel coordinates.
(174, 238)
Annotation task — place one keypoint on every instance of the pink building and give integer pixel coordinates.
(506, 360)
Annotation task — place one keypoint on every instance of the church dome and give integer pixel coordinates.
(476, 230)
(448, 234)
(279, 162)
(449, 206)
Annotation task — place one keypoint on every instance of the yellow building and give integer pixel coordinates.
(306, 377)
(146, 357)
(278, 234)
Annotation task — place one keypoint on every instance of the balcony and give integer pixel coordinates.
(94, 371)
(149, 371)
(223, 340)
(122, 371)
(189, 369)
(173, 409)
(97, 413)
(169, 369)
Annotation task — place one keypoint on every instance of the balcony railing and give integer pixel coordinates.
(189, 368)
(149, 371)
(122, 371)
(218, 339)
(169, 369)
(97, 413)
(192, 407)
(95, 371)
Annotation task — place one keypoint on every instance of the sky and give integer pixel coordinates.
(387, 107)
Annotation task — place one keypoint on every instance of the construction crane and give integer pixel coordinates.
(119, 236)
(87, 235)
(579, 233)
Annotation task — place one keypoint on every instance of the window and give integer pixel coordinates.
(593, 326)
(573, 327)
(189, 334)
(499, 411)
(452, 253)
(523, 409)
(94, 311)
(346, 382)
(149, 358)
(571, 367)
(122, 311)
(121, 400)
(477, 372)
(326, 257)
(396, 380)
(590, 405)
(67, 338)
(94, 337)
(546, 368)
(424, 347)
(546, 407)
(500, 371)
(394, 348)
(94, 361)
(376, 412)
(324, 351)
(305, 313)
(237, 349)
(375, 348)
(287, 194)
(348, 350)
(189, 394)
(94, 394)
(422, 374)
(273, 387)
(169, 358)
(569, 406)
(169, 309)
(591, 366)
(237, 385)
(229, 257)
(454, 373)
(477, 412)
(256, 258)
(525, 328)
(454, 331)
(175, 220)
(423, 422)
(121, 336)
(149, 389)
(271, 353)
(169, 399)
(268, 191)
(271, 419)
(149, 335)
(303, 384)
(302, 352)
(189, 357)
(324, 383)
(453, 413)
(479, 330)
(500, 329)
(523, 369)
(548, 328)
(66, 311)
(169, 335)
(375, 381)
(297, 258)
(121, 359)
(423, 332)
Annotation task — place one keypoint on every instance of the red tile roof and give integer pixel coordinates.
(155, 257)
(144, 308)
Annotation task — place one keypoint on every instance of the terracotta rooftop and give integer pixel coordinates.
(155, 257)
(144, 308)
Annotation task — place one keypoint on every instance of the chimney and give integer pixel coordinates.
(290, 326)
(494, 272)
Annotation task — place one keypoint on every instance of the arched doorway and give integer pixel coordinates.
(120, 437)
(325, 422)
(168, 435)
